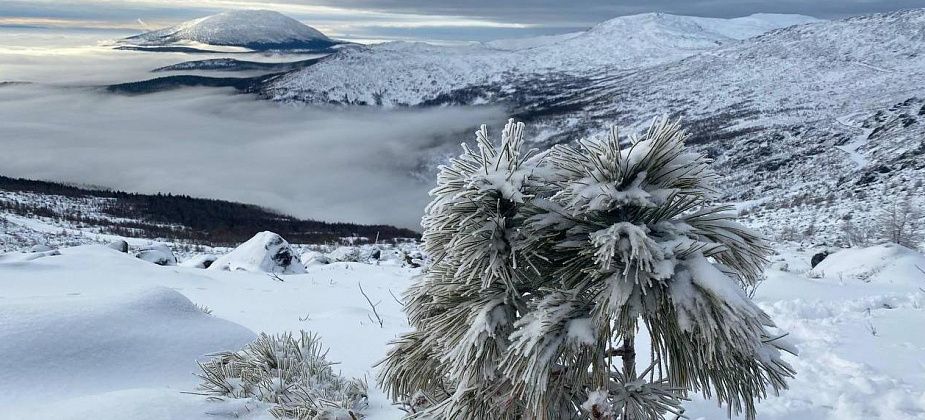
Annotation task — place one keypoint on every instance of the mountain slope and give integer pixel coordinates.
(416, 73)
(253, 29)
(810, 125)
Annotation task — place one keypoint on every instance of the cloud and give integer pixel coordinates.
(343, 164)
(339, 164)
(416, 20)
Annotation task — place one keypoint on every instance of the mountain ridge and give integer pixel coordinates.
(823, 118)
(170, 216)
(418, 73)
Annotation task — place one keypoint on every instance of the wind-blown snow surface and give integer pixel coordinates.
(94, 333)
(255, 29)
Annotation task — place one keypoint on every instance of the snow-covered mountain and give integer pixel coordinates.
(827, 112)
(253, 29)
(819, 120)
(417, 72)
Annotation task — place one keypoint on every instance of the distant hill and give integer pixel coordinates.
(174, 217)
(252, 29)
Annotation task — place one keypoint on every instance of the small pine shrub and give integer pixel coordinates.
(544, 268)
(292, 373)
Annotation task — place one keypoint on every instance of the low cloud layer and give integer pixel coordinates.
(346, 165)
(339, 164)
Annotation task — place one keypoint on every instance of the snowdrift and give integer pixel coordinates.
(13, 257)
(78, 345)
(880, 264)
(265, 252)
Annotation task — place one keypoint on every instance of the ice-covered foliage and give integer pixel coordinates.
(544, 268)
(291, 373)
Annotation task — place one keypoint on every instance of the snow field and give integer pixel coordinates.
(94, 333)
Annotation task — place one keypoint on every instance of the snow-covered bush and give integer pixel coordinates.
(291, 373)
(902, 223)
(346, 254)
(545, 268)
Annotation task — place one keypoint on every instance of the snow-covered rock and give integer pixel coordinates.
(119, 245)
(157, 253)
(310, 258)
(265, 252)
(886, 263)
(254, 29)
(199, 261)
(40, 248)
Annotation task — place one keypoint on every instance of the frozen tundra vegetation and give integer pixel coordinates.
(532, 298)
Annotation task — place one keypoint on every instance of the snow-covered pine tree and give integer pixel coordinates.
(546, 270)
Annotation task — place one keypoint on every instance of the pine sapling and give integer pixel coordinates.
(547, 271)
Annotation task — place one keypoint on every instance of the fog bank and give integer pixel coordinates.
(344, 164)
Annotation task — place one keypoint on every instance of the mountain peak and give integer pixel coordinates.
(254, 29)
(717, 29)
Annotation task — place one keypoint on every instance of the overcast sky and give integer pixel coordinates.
(415, 19)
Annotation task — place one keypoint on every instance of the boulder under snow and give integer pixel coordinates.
(159, 254)
(310, 258)
(119, 245)
(265, 252)
(41, 248)
(200, 261)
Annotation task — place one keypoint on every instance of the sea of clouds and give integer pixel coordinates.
(362, 165)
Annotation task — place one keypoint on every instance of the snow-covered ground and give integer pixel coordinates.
(95, 333)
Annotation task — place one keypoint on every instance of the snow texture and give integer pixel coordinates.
(146, 337)
(95, 333)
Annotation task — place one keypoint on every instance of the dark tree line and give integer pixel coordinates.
(180, 217)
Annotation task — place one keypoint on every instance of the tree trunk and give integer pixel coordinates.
(629, 357)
